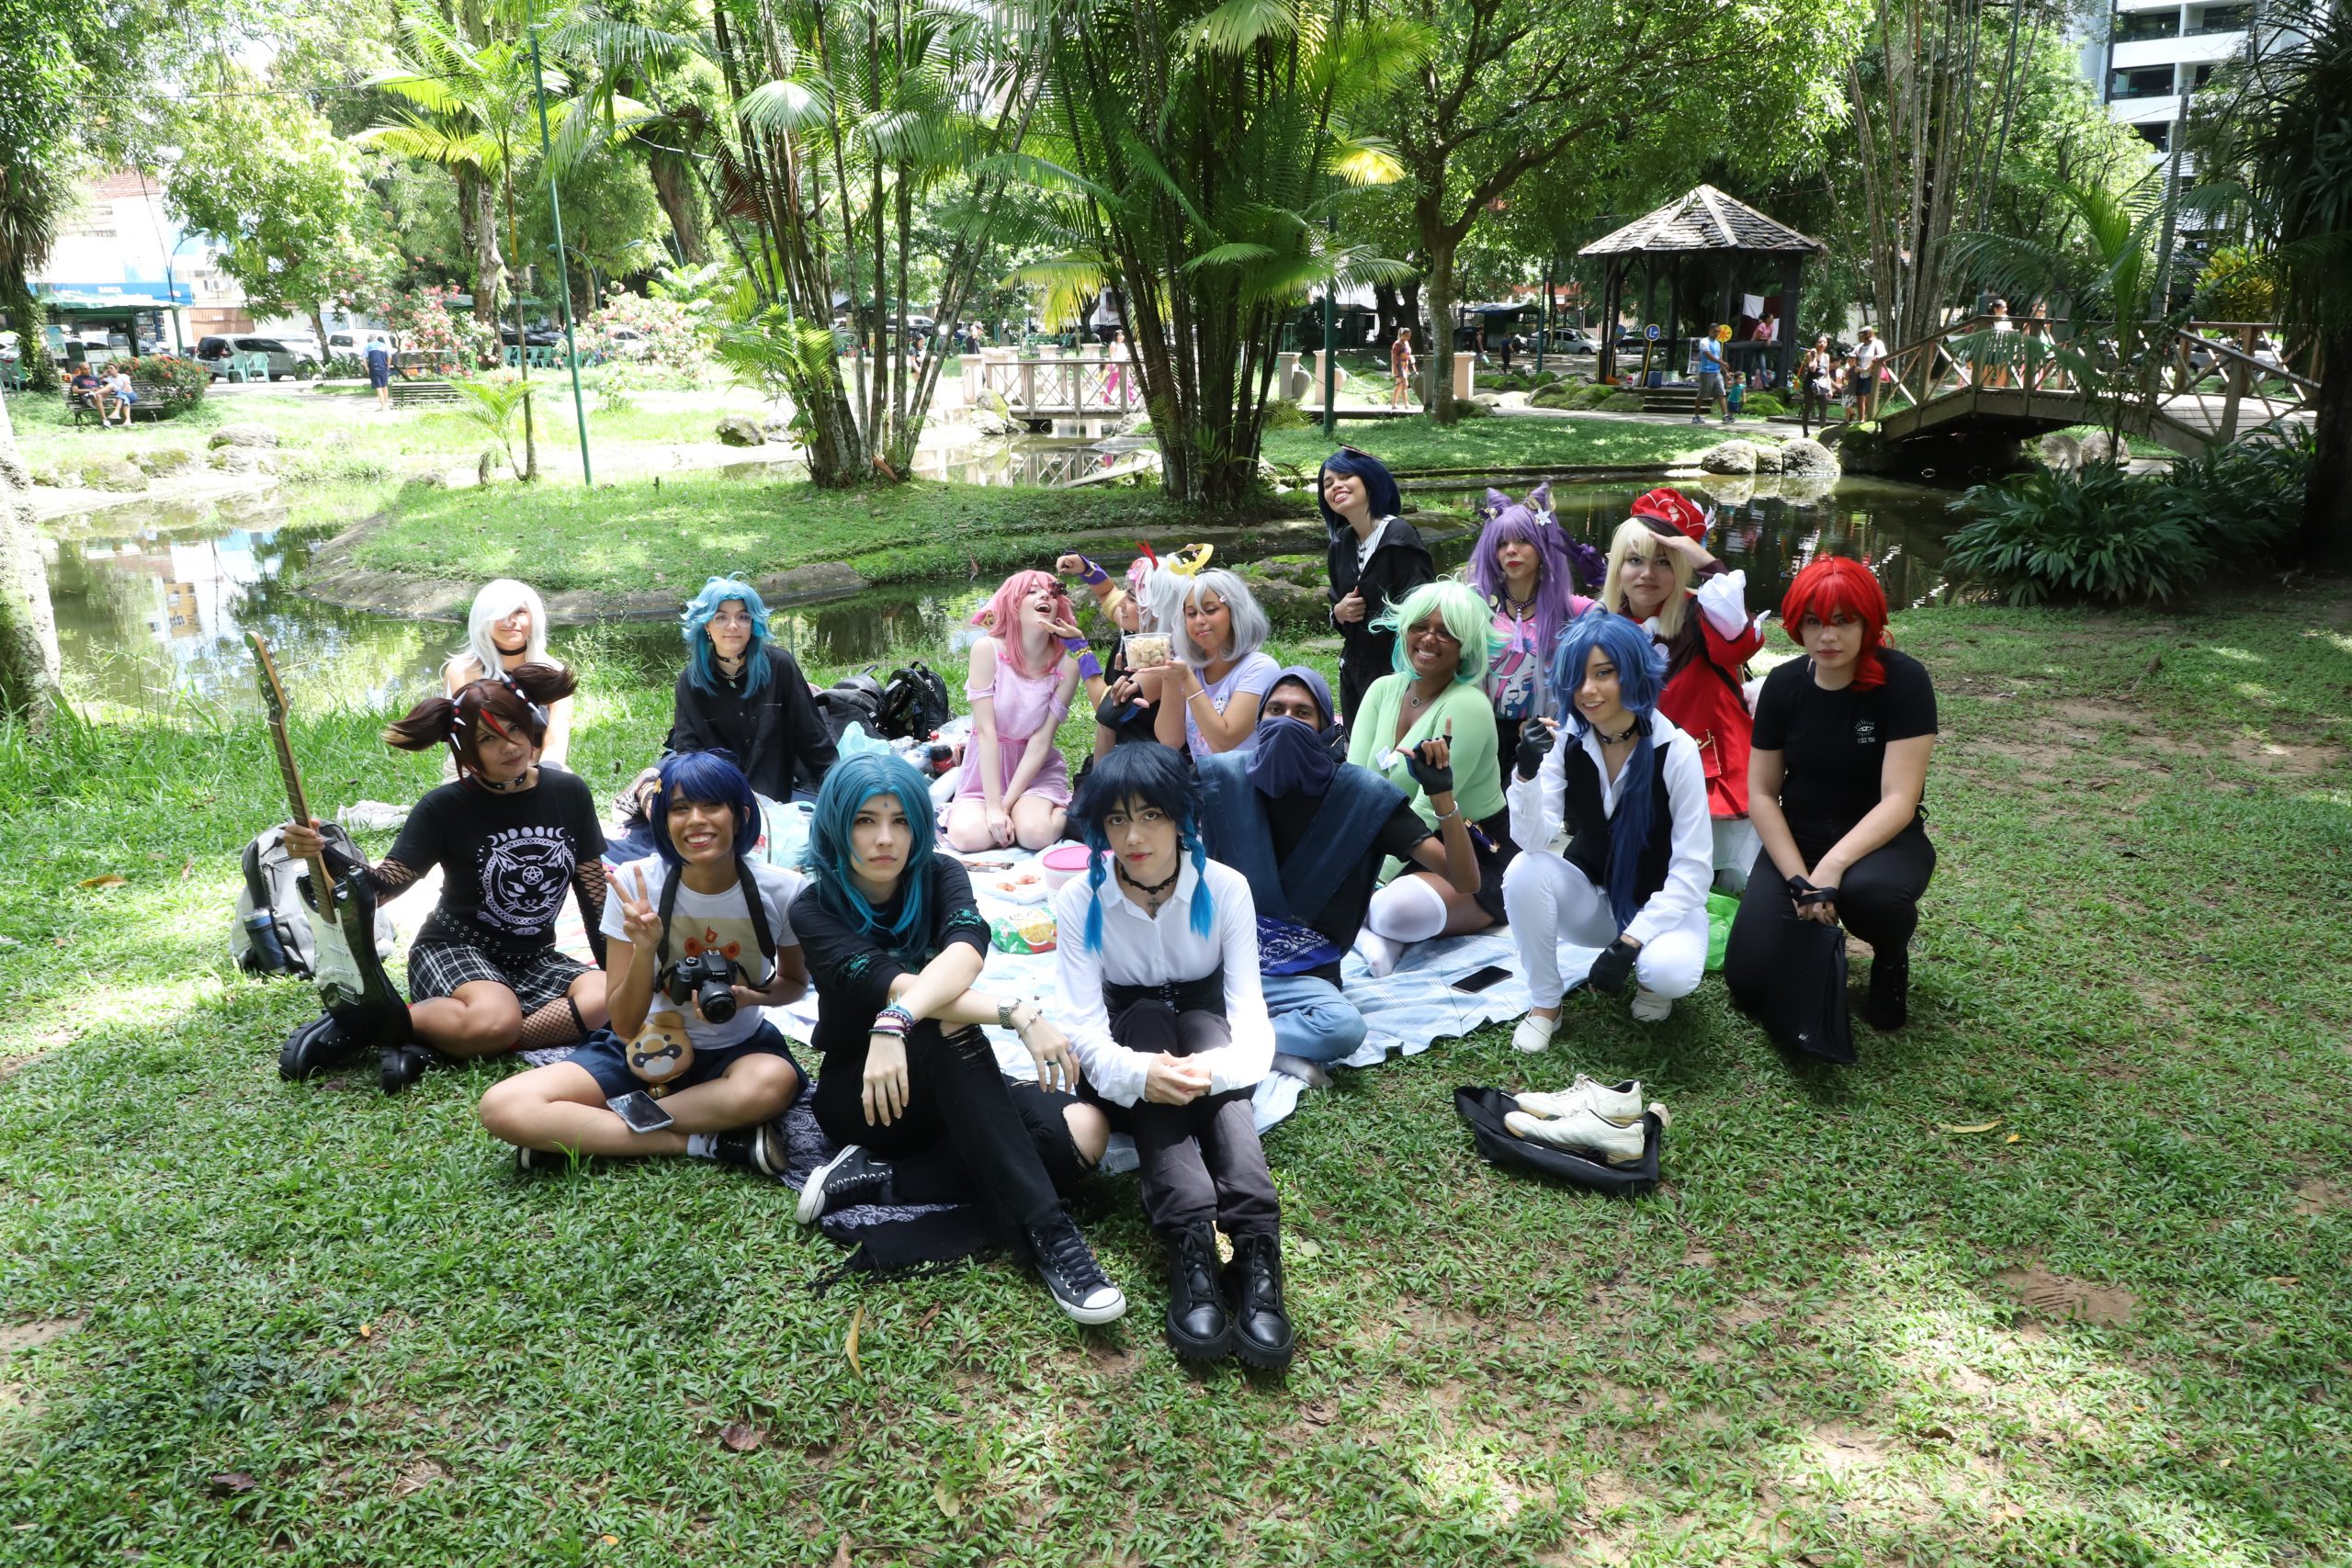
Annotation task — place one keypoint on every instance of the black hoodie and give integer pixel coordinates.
(1399, 564)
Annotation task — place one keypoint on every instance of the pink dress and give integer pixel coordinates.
(1025, 704)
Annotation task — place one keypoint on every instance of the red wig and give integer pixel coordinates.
(1002, 616)
(1834, 585)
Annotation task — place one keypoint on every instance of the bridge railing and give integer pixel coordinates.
(2214, 377)
(1040, 385)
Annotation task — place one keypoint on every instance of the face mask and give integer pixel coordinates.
(1290, 758)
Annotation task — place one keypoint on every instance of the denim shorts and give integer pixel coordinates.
(605, 1057)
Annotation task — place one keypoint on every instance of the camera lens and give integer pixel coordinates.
(715, 1001)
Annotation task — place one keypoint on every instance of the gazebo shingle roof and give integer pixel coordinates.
(1706, 219)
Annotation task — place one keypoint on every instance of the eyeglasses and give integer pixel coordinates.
(732, 623)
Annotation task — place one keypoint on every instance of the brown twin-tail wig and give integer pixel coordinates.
(514, 704)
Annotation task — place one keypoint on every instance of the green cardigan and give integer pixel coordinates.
(1477, 778)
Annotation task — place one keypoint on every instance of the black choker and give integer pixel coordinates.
(1616, 739)
(1157, 890)
(508, 787)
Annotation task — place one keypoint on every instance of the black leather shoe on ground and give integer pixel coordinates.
(1066, 1265)
(758, 1149)
(401, 1065)
(320, 1045)
(1888, 1005)
(850, 1178)
(1253, 1283)
(1198, 1327)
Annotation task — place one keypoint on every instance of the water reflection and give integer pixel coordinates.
(153, 600)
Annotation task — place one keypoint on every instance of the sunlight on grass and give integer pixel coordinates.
(2239, 654)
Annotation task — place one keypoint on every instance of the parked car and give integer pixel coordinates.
(537, 337)
(628, 342)
(285, 359)
(1572, 340)
(355, 343)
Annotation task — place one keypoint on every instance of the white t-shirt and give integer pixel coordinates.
(720, 920)
(1868, 351)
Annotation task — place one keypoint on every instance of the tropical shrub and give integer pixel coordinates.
(453, 344)
(2098, 533)
(344, 368)
(1763, 405)
(181, 382)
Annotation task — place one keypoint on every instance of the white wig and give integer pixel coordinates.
(498, 600)
(1250, 627)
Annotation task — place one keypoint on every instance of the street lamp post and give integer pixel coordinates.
(562, 277)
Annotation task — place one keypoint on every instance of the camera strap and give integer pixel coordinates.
(761, 932)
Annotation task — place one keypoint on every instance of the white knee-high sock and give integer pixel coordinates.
(1407, 910)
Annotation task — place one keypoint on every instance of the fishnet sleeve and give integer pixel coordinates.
(388, 879)
(588, 887)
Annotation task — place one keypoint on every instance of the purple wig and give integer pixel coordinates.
(1528, 522)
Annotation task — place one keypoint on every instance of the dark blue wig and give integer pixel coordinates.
(1640, 664)
(705, 778)
(1148, 775)
(1379, 486)
(850, 784)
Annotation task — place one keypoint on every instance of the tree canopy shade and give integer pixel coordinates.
(2276, 129)
(1197, 155)
(1511, 87)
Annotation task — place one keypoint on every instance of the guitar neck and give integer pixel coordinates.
(274, 697)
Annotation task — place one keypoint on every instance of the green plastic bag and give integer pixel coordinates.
(1721, 908)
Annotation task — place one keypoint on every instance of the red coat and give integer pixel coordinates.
(1705, 697)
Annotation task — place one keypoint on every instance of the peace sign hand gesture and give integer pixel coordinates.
(640, 922)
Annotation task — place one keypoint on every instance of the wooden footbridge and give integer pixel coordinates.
(1054, 386)
(2212, 382)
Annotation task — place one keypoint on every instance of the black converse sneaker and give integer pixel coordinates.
(758, 1149)
(1066, 1265)
(1888, 1003)
(529, 1162)
(850, 1178)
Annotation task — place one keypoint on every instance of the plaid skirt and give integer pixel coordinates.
(437, 967)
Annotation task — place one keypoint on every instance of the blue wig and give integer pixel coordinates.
(850, 784)
(1379, 486)
(1641, 674)
(1150, 776)
(702, 664)
(705, 778)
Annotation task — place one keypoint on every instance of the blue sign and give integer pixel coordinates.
(1652, 333)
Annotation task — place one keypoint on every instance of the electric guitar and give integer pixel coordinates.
(350, 977)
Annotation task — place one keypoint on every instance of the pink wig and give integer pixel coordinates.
(1002, 616)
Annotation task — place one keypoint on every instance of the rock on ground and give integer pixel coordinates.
(1768, 458)
(163, 460)
(2097, 448)
(244, 435)
(741, 430)
(1808, 460)
(1731, 458)
(243, 460)
(58, 476)
(113, 473)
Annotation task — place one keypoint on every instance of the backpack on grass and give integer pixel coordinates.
(914, 704)
(272, 933)
(852, 699)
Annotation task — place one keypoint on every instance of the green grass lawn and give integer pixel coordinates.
(245, 1321)
(631, 535)
(1416, 444)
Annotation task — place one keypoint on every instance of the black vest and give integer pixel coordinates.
(1589, 843)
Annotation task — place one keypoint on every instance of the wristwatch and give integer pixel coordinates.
(1004, 1012)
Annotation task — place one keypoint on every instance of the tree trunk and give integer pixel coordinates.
(475, 195)
(674, 188)
(28, 662)
(1440, 247)
(1384, 307)
(24, 313)
(2325, 540)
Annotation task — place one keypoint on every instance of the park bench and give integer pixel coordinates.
(150, 403)
(412, 384)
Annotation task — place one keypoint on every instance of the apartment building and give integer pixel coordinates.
(2158, 52)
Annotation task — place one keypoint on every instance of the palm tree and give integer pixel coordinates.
(30, 199)
(1196, 154)
(475, 107)
(2275, 124)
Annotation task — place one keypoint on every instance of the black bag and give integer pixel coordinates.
(914, 704)
(1483, 1110)
(1805, 1009)
(852, 699)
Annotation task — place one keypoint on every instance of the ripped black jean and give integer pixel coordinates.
(970, 1134)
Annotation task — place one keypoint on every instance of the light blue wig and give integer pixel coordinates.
(1150, 776)
(829, 857)
(702, 664)
(1640, 664)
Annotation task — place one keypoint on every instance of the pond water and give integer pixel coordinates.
(154, 600)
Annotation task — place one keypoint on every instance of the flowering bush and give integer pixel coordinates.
(671, 330)
(452, 343)
(181, 382)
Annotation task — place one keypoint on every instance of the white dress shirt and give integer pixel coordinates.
(1140, 949)
(1537, 804)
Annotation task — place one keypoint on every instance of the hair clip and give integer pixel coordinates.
(1191, 560)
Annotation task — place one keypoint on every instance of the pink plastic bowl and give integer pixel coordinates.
(1064, 861)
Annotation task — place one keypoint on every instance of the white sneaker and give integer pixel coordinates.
(1620, 1104)
(1582, 1133)
(1533, 1033)
(1651, 1007)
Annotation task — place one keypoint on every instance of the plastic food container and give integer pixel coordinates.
(1063, 862)
(1147, 650)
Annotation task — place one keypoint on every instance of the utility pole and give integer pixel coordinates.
(562, 274)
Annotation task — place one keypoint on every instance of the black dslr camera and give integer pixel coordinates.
(706, 980)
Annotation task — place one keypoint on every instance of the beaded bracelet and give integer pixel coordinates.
(892, 1020)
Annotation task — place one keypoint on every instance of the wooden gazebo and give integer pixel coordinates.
(1722, 235)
